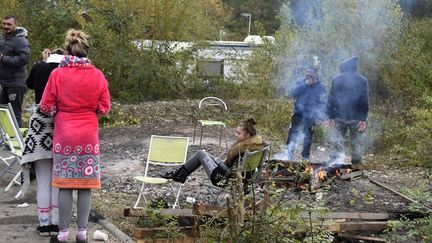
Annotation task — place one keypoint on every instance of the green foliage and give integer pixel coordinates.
(412, 139)
(155, 219)
(273, 116)
(421, 194)
(335, 30)
(405, 230)
(119, 117)
(160, 69)
(264, 17)
(46, 22)
(414, 230)
(276, 222)
(406, 73)
(257, 75)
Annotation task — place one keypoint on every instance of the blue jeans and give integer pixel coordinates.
(300, 126)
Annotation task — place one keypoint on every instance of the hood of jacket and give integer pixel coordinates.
(55, 58)
(252, 143)
(349, 65)
(20, 32)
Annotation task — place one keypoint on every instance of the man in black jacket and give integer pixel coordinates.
(347, 108)
(14, 56)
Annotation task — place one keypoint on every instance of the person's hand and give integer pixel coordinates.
(361, 126)
(45, 54)
(330, 123)
(309, 81)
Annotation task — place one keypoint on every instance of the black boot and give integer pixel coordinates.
(178, 175)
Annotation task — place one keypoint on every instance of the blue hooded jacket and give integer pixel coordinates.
(349, 96)
(310, 100)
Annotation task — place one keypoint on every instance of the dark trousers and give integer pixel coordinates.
(15, 96)
(338, 141)
(299, 126)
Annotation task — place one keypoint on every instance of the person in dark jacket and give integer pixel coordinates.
(14, 56)
(347, 108)
(38, 145)
(309, 110)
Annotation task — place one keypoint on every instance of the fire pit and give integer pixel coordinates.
(286, 173)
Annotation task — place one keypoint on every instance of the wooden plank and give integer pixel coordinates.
(215, 211)
(169, 240)
(400, 194)
(351, 175)
(359, 237)
(346, 215)
(142, 233)
(375, 226)
(284, 179)
(184, 212)
(209, 210)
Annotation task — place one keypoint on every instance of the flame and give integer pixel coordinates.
(337, 174)
(321, 175)
(309, 169)
(301, 186)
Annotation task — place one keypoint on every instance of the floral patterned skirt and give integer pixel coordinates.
(76, 151)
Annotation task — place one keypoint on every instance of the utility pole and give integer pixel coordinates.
(249, 16)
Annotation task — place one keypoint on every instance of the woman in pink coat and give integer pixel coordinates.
(76, 93)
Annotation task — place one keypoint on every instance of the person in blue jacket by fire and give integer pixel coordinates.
(309, 110)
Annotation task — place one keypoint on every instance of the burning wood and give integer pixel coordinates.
(321, 175)
(309, 169)
(337, 173)
(289, 173)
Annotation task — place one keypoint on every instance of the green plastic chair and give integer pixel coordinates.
(12, 138)
(163, 151)
(251, 163)
(208, 102)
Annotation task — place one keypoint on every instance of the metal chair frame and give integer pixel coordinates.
(168, 162)
(246, 166)
(12, 137)
(214, 102)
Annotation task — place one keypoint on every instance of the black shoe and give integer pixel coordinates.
(168, 175)
(178, 175)
(54, 228)
(80, 241)
(54, 239)
(44, 230)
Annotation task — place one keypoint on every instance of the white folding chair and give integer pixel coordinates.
(13, 140)
(163, 151)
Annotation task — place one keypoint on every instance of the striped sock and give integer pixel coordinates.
(44, 216)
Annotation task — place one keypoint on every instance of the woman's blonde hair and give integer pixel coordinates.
(77, 43)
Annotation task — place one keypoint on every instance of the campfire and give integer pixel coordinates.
(300, 174)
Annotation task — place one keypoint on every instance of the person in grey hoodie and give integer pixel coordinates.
(347, 109)
(14, 56)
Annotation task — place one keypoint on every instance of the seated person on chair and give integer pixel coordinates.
(215, 168)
